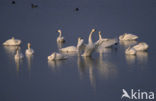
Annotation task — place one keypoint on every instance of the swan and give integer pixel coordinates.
(60, 38)
(106, 41)
(130, 51)
(56, 56)
(90, 47)
(73, 48)
(18, 54)
(12, 42)
(29, 51)
(142, 46)
(128, 36)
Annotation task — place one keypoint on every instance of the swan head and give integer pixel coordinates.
(59, 30)
(93, 30)
(29, 45)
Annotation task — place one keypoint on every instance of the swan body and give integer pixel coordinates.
(18, 54)
(106, 41)
(130, 51)
(90, 47)
(60, 38)
(12, 42)
(142, 46)
(56, 56)
(29, 51)
(73, 48)
(127, 37)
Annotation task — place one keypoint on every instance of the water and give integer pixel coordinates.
(99, 78)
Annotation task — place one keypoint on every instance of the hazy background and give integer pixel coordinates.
(76, 79)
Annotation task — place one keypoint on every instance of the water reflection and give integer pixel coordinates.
(130, 59)
(10, 50)
(104, 50)
(128, 43)
(142, 57)
(18, 62)
(29, 61)
(105, 69)
(55, 64)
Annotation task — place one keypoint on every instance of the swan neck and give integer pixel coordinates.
(100, 37)
(90, 37)
(60, 34)
(29, 45)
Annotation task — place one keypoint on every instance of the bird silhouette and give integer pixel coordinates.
(125, 94)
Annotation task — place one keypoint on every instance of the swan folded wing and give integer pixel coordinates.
(131, 36)
(108, 43)
(69, 49)
(12, 42)
(141, 47)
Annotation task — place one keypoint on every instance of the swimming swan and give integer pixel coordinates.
(12, 42)
(18, 54)
(60, 38)
(56, 56)
(130, 51)
(106, 41)
(90, 47)
(73, 48)
(127, 37)
(29, 51)
(142, 46)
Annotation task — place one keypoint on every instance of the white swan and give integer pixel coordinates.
(106, 41)
(90, 47)
(128, 36)
(12, 42)
(29, 51)
(60, 38)
(56, 56)
(73, 48)
(18, 54)
(130, 51)
(142, 46)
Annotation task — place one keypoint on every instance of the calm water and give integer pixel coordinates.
(100, 78)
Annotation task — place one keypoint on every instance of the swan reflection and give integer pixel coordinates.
(104, 50)
(29, 61)
(18, 62)
(104, 68)
(128, 43)
(10, 50)
(55, 64)
(142, 57)
(130, 59)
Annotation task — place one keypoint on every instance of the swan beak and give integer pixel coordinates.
(93, 30)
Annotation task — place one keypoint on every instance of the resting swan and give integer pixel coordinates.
(12, 42)
(90, 47)
(106, 41)
(18, 54)
(130, 51)
(60, 38)
(73, 48)
(56, 56)
(127, 37)
(29, 51)
(142, 46)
